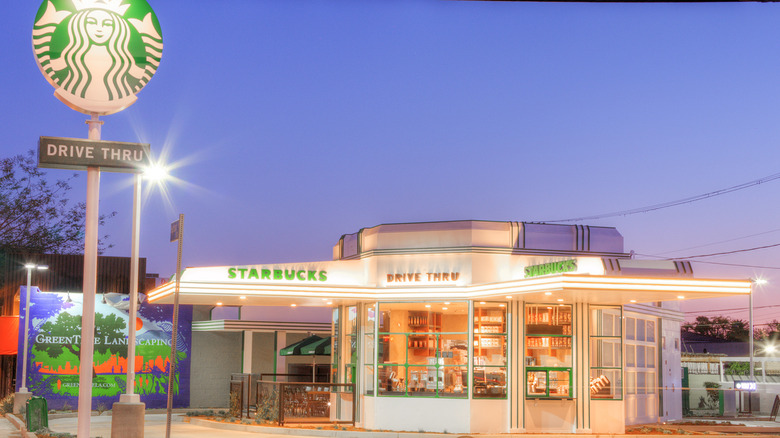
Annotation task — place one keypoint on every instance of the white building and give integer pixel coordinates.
(471, 326)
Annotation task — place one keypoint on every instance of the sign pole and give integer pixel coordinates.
(90, 287)
(177, 233)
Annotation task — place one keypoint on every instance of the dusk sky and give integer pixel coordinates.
(294, 122)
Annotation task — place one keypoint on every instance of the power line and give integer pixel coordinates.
(723, 241)
(674, 203)
(714, 263)
(733, 309)
(726, 252)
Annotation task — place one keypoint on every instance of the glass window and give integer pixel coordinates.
(548, 350)
(423, 349)
(650, 337)
(606, 356)
(490, 352)
(640, 329)
(630, 328)
(605, 384)
(641, 356)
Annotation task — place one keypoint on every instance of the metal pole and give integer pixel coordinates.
(134, 251)
(26, 329)
(172, 366)
(90, 286)
(750, 317)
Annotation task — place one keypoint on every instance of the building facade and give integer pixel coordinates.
(476, 326)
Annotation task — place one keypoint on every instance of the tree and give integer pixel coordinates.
(721, 327)
(36, 215)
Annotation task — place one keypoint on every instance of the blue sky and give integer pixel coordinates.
(302, 121)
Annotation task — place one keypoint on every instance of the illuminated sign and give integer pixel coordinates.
(745, 385)
(276, 274)
(417, 277)
(551, 268)
(97, 54)
(78, 154)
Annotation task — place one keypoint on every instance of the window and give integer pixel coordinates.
(548, 351)
(423, 349)
(641, 356)
(490, 332)
(606, 341)
(369, 342)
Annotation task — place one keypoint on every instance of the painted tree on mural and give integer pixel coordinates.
(109, 332)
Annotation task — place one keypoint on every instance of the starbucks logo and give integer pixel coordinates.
(98, 54)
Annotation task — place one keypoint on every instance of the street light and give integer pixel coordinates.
(753, 281)
(29, 267)
(154, 173)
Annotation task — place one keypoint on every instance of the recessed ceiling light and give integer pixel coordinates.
(502, 305)
(444, 308)
(680, 297)
(509, 297)
(560, 299)
(548, 293)
(331, 303)
(219, 303)
(293, 305)
(242, 297)
(324, 299)
(560, 305)
(427, 305)
(633, 301)
(447, 303)
(482, 302)
(549, 307)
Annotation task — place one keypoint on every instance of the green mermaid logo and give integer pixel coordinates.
(98, 54)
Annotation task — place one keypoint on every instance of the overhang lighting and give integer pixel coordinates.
(633, 301)
(548, 293)
(560, 299)
(242, 297)
(293, 305)
(427, 305)
(680, 297)
(219, 303)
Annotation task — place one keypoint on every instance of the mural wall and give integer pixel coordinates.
(55, 339)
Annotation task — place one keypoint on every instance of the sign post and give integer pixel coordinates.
(177, 232)
(97, 54)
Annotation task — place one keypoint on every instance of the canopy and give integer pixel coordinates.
(306, 347)
(318, 348)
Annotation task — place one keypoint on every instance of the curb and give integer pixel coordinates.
(332, 433)
(18, 424)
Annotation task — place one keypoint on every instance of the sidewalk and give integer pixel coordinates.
(155, 428)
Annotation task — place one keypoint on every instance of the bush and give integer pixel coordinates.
(7, 405)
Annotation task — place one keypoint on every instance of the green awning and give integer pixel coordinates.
(318, 348)
(296, 348)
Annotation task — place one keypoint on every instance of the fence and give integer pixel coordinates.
(288, 402)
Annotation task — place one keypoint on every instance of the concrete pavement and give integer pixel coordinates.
(155, 428)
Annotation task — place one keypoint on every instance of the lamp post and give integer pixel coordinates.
(128, 414)
(21, 397)
(29, 268)
(753, 282)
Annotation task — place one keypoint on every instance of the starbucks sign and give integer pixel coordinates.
(97, 54)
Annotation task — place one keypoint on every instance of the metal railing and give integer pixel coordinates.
(306, 402)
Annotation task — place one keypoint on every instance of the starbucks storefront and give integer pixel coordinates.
(475, 326)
